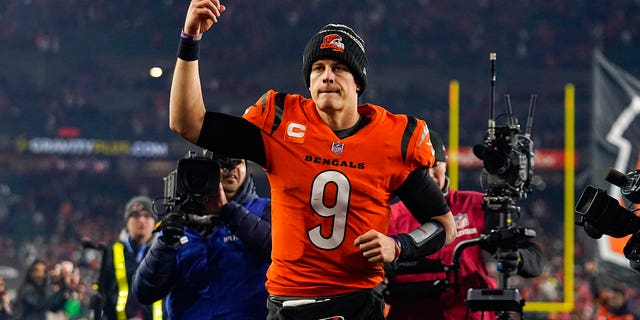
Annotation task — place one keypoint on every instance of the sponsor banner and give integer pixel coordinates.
(544, 158)
(91, 147)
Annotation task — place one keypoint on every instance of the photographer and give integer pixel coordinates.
(213, 265)
(471, 221)
(36, 295)
(6, 307)
(120, 262)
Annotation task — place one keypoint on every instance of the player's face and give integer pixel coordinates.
(232, 178)
(332, 85)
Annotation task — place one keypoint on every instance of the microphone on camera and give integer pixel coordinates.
(616, 177)
(629, 183)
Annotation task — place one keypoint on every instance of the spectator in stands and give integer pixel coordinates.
(6, 308)
(36, 296)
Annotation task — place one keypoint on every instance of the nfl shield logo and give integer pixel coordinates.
(337, 148)
(462, 221)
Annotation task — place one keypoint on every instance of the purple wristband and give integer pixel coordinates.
(191, 37)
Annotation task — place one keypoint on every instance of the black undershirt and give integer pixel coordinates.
(344, 133)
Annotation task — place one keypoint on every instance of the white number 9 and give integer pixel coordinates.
(338, 211)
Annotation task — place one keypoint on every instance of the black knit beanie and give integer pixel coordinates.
(337, 41)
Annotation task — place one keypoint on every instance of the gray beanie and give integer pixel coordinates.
(337, 41)
(137, 204)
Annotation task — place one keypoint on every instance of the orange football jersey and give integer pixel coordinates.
(327, 191)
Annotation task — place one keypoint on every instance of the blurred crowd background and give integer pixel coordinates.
(80, 69)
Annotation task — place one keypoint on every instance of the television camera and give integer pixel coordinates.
(192, 184)
(508, 157)
(599, 213)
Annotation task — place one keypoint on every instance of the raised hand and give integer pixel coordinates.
(201, 15)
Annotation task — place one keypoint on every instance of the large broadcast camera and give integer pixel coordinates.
(507, 156)
(188, 188)
(601, 214)
(508, 159)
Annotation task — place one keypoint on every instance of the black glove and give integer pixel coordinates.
(173, 228)
(509, 261)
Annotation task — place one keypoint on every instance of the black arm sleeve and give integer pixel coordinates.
(422, 196)
(154, 277)
(425, 200)
(232, 136)
(253, 230)
(421, 241)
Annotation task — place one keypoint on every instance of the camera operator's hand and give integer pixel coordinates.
(632, 251)
(173, 228)
(509, 261)
(215, 204)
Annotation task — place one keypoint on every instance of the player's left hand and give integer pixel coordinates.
(376, 246)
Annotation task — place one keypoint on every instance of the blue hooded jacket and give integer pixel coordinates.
(221, 276)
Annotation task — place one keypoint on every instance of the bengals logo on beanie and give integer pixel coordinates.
(337, 41)
(332, 41)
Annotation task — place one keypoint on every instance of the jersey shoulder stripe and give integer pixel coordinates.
(279, 108)
(412, 123)
(263, 99)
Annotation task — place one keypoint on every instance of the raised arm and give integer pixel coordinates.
(186, 105)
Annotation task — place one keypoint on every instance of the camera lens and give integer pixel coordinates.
(198, 176)
(497, 162)
(195, 180)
